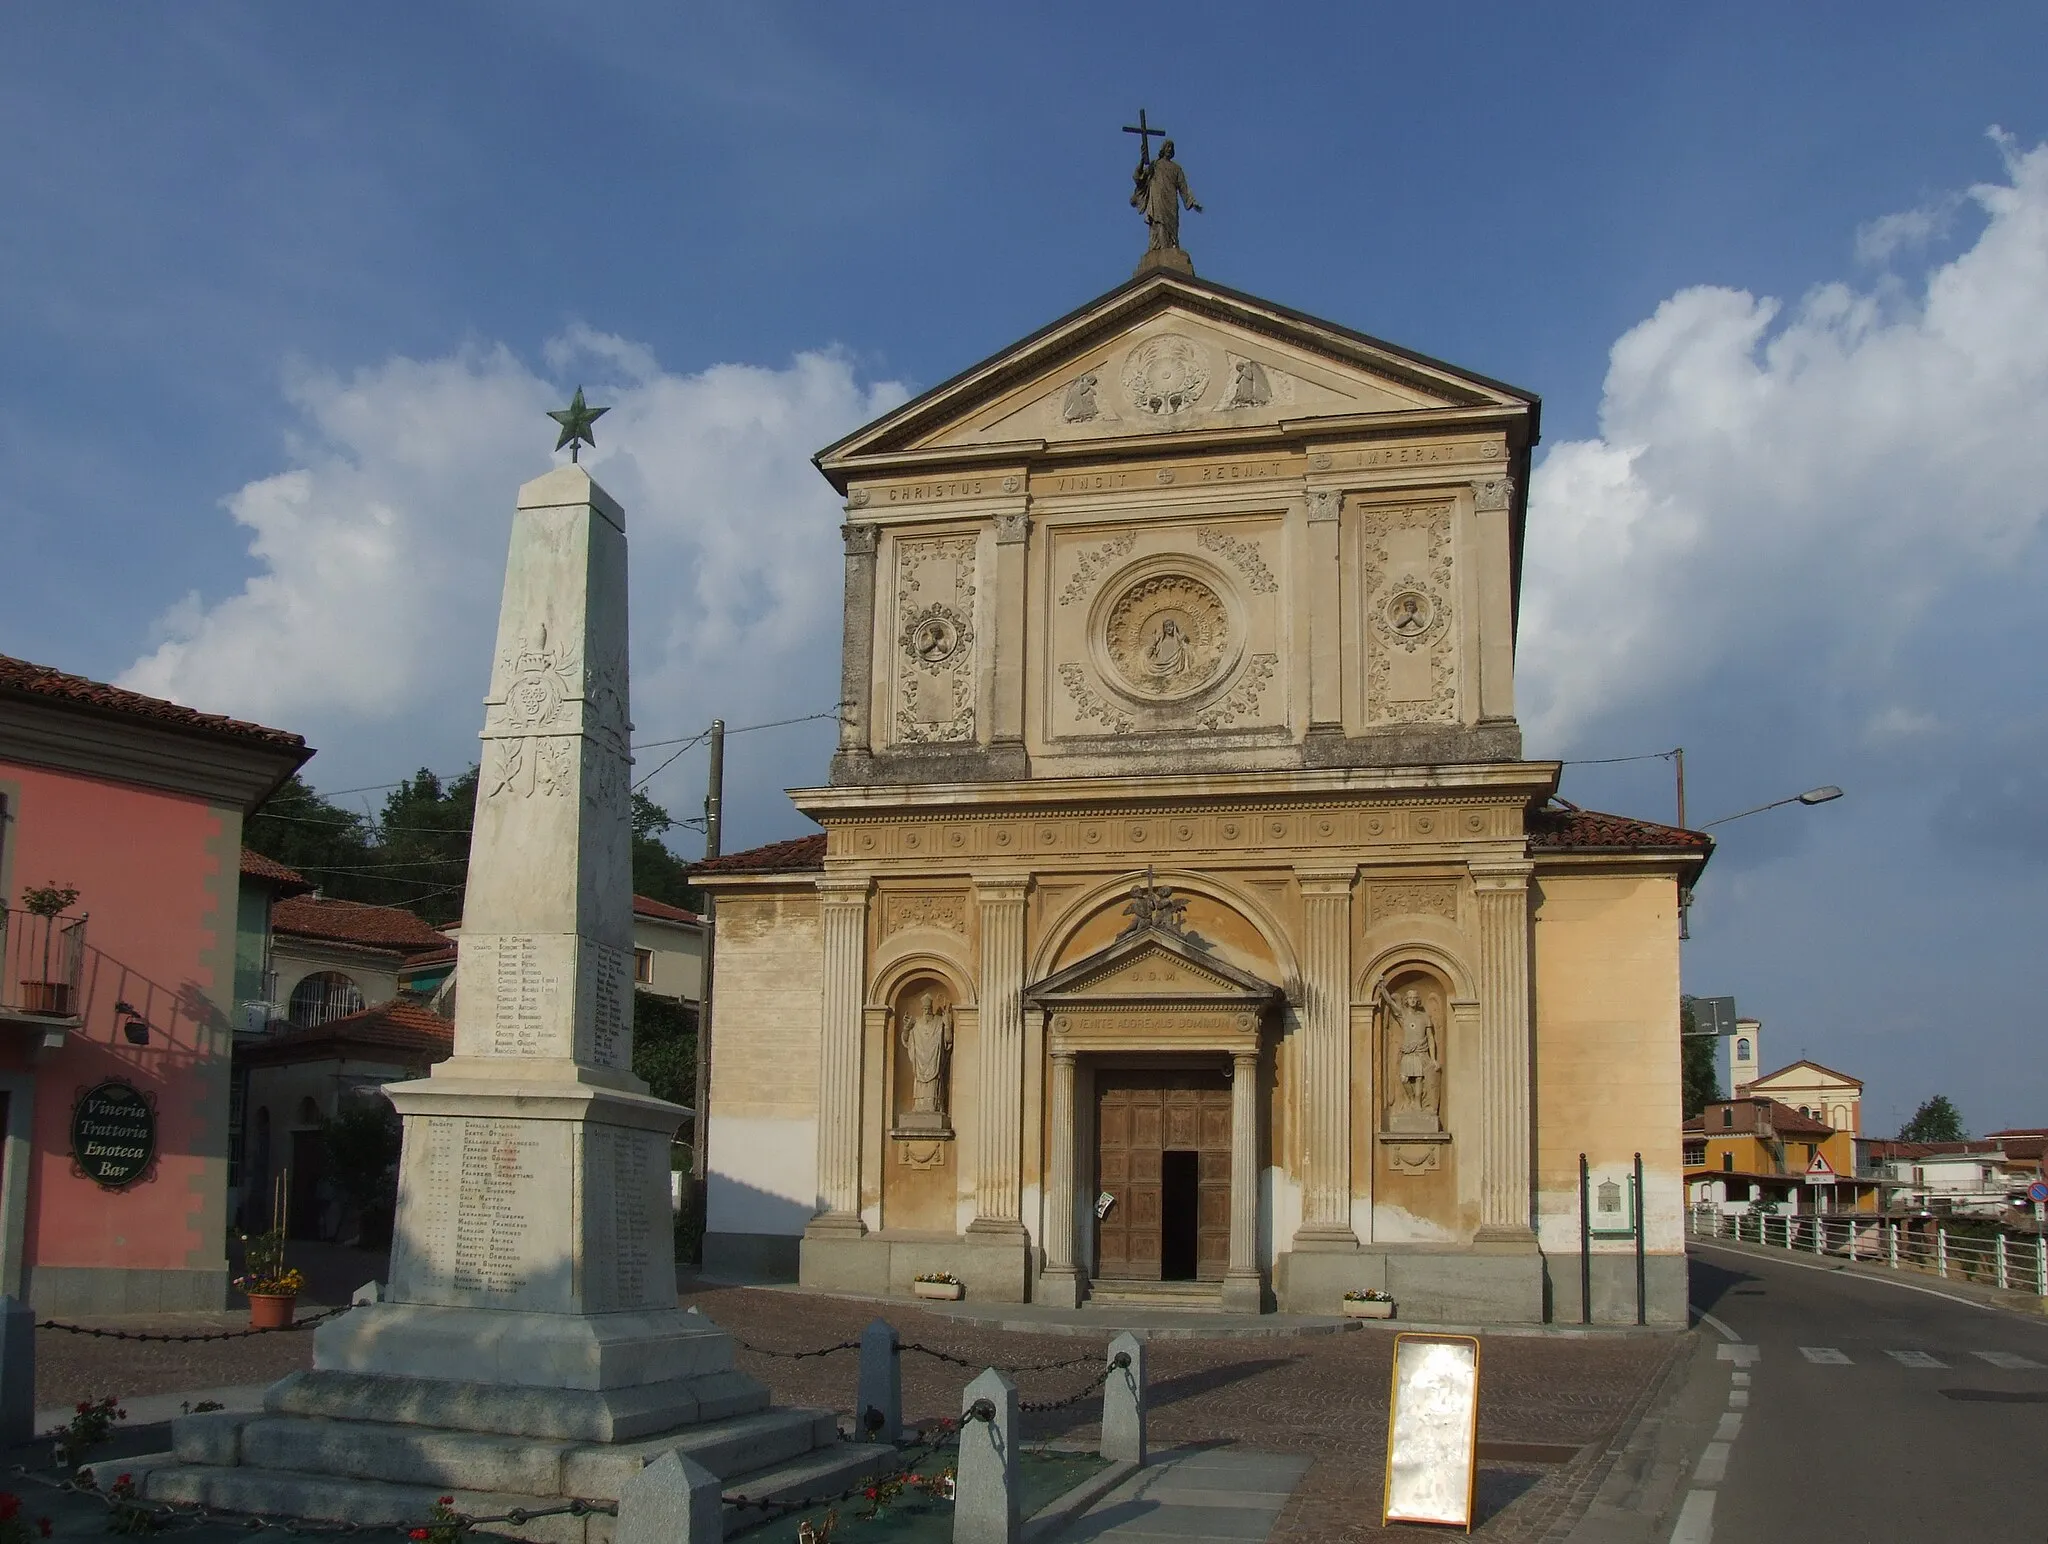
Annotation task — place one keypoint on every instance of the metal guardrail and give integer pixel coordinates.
(42, 963)
(2012, 1263)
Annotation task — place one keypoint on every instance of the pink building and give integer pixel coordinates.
(117, 1008)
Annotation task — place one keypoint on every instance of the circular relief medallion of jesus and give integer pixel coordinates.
(1167, 637)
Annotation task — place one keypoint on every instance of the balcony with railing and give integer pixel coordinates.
(42, 965)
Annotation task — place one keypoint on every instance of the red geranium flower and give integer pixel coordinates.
(417, 1533)
(10, 1503)
(446, 1501)
(43, 1526)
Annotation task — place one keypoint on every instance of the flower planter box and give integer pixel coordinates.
(51, 997)
(271, 1310)
(946, 1291)
(1354, 1309)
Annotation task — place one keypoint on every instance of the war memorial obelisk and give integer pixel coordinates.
(528, 1347)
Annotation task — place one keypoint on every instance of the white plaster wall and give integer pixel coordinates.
(763, 1174)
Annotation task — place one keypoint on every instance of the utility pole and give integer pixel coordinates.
(700, 1117)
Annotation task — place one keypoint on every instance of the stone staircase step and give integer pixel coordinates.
(816, 1475)
(367, 1503)
(413, 1455)
(1194, 1296)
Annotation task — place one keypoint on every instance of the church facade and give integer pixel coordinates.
(1186, 921)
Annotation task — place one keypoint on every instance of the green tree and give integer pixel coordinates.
(333, 847)
(1699, 1060)
(424, 851)
(665, 1047)
(658, 873)
(1936, 1120)
(362, 1142)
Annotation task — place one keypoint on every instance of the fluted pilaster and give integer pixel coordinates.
(843, 915)
(998, 1115)
(1504, 1198)
(1325, 1059)
(1060, 1282)
(1243, 1288)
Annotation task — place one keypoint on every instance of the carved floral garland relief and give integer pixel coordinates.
(935, 641)
(1411, 658)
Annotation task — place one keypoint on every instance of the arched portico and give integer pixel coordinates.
(1153, 998)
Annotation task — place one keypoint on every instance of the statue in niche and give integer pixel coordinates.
(1418, 1061)
(927, 1036)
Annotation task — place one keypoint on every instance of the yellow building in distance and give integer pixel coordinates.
(1186, 921)
(1755, 1149)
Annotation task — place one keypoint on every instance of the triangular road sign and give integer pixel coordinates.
(1820, 1171)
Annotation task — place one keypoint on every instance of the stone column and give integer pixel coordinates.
(1006, 710)
(857, 655)
(999, 1101)
(1325, 626)
(1060, 1282)
(843, 915)
(1504, 1198)
(1325, 1060)
(1243, 1289)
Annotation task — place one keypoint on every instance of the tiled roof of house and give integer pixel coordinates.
(353, 922)
(1564, 827)
(661, 911)
(20, 678)
(273, 873)
(411, 1033)
(795, 856)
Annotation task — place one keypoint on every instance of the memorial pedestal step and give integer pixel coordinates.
(379, 1474)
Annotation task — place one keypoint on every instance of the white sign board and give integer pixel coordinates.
(1433, 1431)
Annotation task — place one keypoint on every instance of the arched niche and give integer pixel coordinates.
(922, 1025)
(1243, 931)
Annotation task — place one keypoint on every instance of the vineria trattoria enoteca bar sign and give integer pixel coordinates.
(113, 1134)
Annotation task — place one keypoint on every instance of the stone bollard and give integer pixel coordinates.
(17, 1372)
(878, 1397)
(1123, 1401)
(674, 1500)
(985, 1484)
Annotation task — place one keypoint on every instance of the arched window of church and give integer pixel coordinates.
(1742, 1049)
(322, 996)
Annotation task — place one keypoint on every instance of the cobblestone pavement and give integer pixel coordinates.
(1320, 1395)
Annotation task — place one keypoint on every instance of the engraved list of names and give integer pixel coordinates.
(520, 1026)
(499, 1161)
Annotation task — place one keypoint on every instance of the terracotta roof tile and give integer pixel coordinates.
(1564, 827)
(661, 911)
(289, 881)
(798, 855)
(20, 678)
(411, 1031)
(353, 922)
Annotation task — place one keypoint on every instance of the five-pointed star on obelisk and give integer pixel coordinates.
(576, 420)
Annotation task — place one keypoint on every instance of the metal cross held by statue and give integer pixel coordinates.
(1145, 133)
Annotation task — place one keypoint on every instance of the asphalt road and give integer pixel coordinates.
(1869, 1413)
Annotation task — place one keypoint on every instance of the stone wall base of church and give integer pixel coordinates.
(751, 1257)
(996, 1269)
(1614, 1288)
(1431, 1284)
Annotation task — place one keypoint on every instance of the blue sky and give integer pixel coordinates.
(287, 288)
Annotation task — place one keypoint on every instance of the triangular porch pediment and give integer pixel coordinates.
(1167, 354)
(1152, 964)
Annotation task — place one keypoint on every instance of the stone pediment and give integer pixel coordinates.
(1152, 964)
(1167, 355)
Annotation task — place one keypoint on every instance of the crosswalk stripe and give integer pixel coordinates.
(1917, 1359)
(2007, 1360)
(1826, 1356)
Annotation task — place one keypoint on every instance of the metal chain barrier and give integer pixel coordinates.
(193, 1513)
(795, 1356)
(1041, 1406)
(1087, 1360)
(908, 1459)
(102, 1333)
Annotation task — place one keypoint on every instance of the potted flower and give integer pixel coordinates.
(48, 903)
(938, 1284)
(271, 1286)
(1369, 1304)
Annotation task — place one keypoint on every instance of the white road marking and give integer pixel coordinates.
(1739, 1379)
(1707, 1318)
(2007, 1360)
(1695, 1519)
(1741, 1356)
(1730, 1427)
(1826, 1356)
(1918, 1359)
(1713, 1465)
(1738, 1399)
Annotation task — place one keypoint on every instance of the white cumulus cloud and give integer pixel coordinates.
(1821, 495)
(379, 550)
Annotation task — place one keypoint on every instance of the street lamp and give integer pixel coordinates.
(1820, 795)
